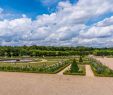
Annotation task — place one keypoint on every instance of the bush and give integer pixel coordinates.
(100, 69)
(74, 67)
(37, 69)
(80, 59)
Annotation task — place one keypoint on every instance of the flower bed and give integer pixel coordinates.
(38, 69)
(99, 69)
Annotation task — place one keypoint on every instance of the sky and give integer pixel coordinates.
(56, 23)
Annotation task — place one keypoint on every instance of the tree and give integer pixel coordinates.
(80, 59)
(74, 67)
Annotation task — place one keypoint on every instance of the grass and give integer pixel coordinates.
(53, 65)
(39, 69)
(82, 71)
(60, 69)
(100, 70)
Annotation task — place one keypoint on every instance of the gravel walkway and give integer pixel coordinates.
(61, 72)
(89, 72)
(45, 84)
(43, 60)
(106, 61)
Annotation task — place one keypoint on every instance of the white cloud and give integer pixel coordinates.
(64, 27)
(100, 34)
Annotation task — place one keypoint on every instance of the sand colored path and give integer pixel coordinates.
(43, 60)
(44, 84)
(89, 72)
(61, 72)
(106, 61)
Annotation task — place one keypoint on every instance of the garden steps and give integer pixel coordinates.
(61, 72)
(89, 72)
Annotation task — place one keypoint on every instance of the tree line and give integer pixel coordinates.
(52, 51)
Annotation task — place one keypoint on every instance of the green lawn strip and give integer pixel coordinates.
(82, 71)
(29, 68)
(54, 72)
(84, 63)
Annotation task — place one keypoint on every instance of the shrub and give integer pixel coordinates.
(80, 59)
(101, 69)
(74, 67)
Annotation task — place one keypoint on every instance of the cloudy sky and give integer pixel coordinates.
(56, 22)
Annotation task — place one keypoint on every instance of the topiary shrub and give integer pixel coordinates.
(80, 59)
(74, 67)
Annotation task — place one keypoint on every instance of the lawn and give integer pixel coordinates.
(76, 68)
(38, 65)
(82, 71)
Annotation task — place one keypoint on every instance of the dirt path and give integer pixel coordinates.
(106, 61)
(61, 72)
(46, 84)
(43, 60)
(89, 72)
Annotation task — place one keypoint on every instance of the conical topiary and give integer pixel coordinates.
(80, 59)
(74, 67)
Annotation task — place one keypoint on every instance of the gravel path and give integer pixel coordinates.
(45, 84)
(61, 72)
(43, 60)
(106, 61)
(89, 72)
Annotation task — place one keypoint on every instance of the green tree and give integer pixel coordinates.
(80, 59)
(74, 67)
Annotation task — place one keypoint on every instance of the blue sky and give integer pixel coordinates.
(31, 8)
(56, 22)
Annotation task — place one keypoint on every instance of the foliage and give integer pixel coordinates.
(82, 71)
(100, 69)
(74, 67)
(80, 59)
(11, 51)
(44, 68)
(43, 50)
